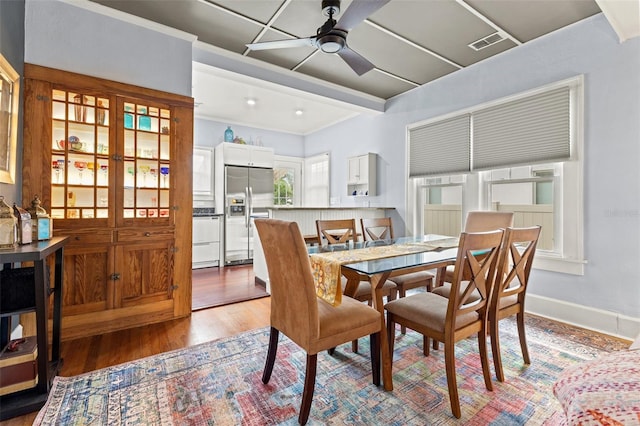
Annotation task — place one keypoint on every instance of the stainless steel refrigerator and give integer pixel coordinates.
(248, 195)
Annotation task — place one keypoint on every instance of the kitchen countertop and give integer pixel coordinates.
(332, 208)
(205, 212)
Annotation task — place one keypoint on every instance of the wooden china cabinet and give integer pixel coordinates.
(112, 165)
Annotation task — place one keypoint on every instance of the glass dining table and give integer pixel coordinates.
(395, 257)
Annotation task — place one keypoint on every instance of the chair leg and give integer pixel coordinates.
(402, 293)
(484, 358)
(450, 367)
(523, 338)
(309, 385)
(495, 349)
(391, 333)
(374, 340)
(425, 345)
(274, 333)
(354, 346)
(436, 345)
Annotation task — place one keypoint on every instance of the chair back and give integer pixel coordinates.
(376, 228)
(481, 221)
(294, 308)
(478, 256)
(514, 265)
(338, 231)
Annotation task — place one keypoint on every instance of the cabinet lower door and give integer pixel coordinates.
(146, 272)
(87, 286)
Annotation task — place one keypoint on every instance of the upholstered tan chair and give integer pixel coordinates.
(382, 229)
(510, 291)
(299, 314)
(478, 221)
(451, 320)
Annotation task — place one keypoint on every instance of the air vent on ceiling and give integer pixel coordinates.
(486, 41)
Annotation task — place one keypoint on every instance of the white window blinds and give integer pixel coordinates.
(530, 130)
(441, 147)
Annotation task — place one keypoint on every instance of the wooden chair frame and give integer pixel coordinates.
(514, 268)
(477, 252)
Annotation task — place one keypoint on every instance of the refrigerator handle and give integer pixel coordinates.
(247, 207)
(250, 201)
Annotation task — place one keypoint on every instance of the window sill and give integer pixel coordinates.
(559, 264)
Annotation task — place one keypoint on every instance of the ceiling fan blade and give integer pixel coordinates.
(282, 44)
(358, 11)
(356, 61)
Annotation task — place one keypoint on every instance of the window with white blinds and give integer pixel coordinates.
(531, 130)
(441, 147)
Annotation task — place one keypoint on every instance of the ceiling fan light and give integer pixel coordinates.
(331, 43)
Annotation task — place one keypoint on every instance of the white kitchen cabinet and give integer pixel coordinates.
(203, 173)
(362, 174)
(246, 155)
(206, 242)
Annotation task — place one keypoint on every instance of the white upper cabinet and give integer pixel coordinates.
(361, 174)
(202, 173)
(247, 155)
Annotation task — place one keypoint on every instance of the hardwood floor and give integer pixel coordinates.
(221, 286)
(91, 353)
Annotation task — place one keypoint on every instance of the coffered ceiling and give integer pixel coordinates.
(410, 42)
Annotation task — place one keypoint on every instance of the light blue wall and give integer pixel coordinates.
(611, 153)
(210, 133)
(12, 48)
(69, 37)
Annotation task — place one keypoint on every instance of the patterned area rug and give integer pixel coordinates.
(220, 383)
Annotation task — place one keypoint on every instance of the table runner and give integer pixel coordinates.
(326, 266)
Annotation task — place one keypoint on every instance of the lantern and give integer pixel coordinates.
(42, 224)
(25, 230)
(8, 224)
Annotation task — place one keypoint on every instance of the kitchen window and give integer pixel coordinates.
(287, 177)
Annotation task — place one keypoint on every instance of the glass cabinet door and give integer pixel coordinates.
(80, 155)
(146, 139)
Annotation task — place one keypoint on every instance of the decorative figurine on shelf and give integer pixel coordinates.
(8, 223)
(42, 224)
(25, 228)
(228, 134)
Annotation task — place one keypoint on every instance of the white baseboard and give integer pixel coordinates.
(599, 320)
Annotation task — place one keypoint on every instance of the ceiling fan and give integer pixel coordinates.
(331, 37)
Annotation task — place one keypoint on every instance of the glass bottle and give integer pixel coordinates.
(228, 134)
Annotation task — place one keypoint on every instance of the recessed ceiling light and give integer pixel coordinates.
(299, 112)
(251, 101)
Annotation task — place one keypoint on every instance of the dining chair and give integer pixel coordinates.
(477, 221)
(341, 231)
(456, 318)
(299, 314)
(382, 229)
(336, 231)
(510, 290)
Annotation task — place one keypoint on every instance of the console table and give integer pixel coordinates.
(29, 400)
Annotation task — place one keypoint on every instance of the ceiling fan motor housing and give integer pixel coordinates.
(332, 42)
